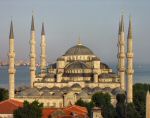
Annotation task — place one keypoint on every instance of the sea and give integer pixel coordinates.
(22, 77)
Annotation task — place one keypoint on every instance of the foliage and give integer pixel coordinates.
(103, 100)
(3, 94)
(29, 110)
(120, 106)
(139, 98)
(88, 105)
(131, 111)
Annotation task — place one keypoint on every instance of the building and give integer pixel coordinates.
(7, 108)
(96, 113)
(77, 74)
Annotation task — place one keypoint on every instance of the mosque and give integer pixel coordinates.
(77, 74)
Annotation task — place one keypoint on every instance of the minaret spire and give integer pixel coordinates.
(122, 24)
(43, 30)
(121, 53)
(32, 24)
(130, 29)
(11, 35)
(43, 51)
(11, 69)
(32, 53)
(130, 69)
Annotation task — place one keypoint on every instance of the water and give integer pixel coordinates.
(142, 75)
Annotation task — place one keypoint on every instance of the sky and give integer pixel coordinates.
(95, 21)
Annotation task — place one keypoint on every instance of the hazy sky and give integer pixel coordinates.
(96, 21)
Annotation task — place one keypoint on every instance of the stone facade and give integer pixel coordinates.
(96, 113)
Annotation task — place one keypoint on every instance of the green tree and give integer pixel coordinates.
(29, 110)
(88, 105)
(103, 100)
(131, 111)
(120, 106)
(139, 98)
(3, 94)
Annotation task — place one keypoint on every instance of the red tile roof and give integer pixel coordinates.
(79, 111)
(8, 106)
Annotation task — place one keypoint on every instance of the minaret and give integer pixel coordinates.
(43, 51)
(121, 54)
(118, 45)
(148, 105)
(130, 69)
(32, 53)
(11, 69)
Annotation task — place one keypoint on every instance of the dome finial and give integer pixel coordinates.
(79, 41)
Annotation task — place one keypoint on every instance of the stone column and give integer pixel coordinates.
(11, 69)
(121, 55)
(43, 52)
(32, 54)
(130, 69)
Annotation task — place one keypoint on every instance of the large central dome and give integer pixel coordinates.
(79, 50)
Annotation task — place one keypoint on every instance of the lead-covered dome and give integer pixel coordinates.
(76, 65)
(79, 50)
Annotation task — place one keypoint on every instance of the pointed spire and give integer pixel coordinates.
(130, 29)
(32, 24)
(79, 41)
(119, 28)
(43, 31)
(11, 35)
(122, 24)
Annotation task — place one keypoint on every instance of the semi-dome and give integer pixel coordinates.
(76, 65)
(79, 50)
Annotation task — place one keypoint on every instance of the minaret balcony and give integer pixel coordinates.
(130, 71)
(121, 55)
(11, 55)
(32, 68)
(32, 55)
(11, 71)
(122, 42)
(130, 55)
(122, 69)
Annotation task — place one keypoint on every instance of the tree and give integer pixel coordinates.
(103, 101)
(88, 105)
(139, 98)
(29, 110)
(131, 111)
(120, 106)
(3, 94)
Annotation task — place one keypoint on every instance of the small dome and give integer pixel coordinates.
(58, 94)
(107, 89)
(79, 50)
(66, 89)
(97, 89)
(104, 66)
(44, 89)
(76, 86)
(45, 93)
(118, 90)
(76, 65)
(30, 92)
(83, 94)
(55, 89)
